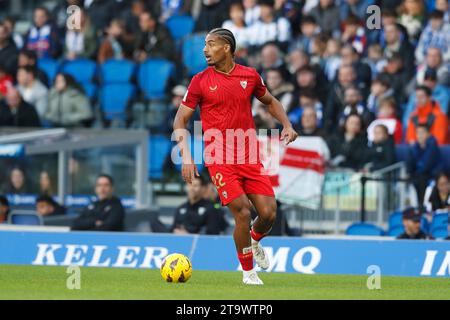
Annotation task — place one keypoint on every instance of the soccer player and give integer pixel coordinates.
(224, 91)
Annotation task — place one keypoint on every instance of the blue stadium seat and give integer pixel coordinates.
(25, 218)
(153, 77)
(114, 99)
(395, 231)
(193, 58)
(439, 233)
(83, 70)
(159, 148)
(364, 229)
(395, 219)
(117, 71)
(180, 26)
(439, 221)
(49, 67)
(196, 151)
(445, 150)
(90, 89)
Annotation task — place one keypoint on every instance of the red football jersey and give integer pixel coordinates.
(225, 103)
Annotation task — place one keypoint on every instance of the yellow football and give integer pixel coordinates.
(176, 267)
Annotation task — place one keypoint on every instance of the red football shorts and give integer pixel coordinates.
(233, 180)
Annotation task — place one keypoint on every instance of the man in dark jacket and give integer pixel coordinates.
(424, 160)
(381, 152)
(411, 222)
(8, 51)
(15, 112)
(155, 40)
(105, 214)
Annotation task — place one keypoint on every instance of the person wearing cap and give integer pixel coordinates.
(411, 221)
(47, 206)
(427, 112)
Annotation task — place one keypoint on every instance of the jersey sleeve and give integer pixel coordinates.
(260, 87)
(193, 94)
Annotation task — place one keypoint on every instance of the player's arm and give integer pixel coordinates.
(188, 168)
(288, 134)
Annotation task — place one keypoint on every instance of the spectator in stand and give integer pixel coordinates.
(105, 214)
(46, 206)
(439, 93)
(424, 160)
(32, 90)
(437, 195)
(307, 99)
(8, 50)
(332, 58)
(80, 42)
(269, 28)
(10, 23)
(296, 60)
(375, 59)
(29, 58)
(45, 184)
(427, 112)
(252, 11)
(356, 8)
(279, 88)
(412, 17)
(271, 57)
(167, 8)
(6, 82)
(381, 151)
(42, 36)
(434, 61)
(101, 12)
(311, 78)
(236, 24)
(154, 40)
(131, 17)
(386, 116)
(348, 147)
(4, 209)
(379, 91)
(318, 48)
(112, 45)
(435, 35)
(354, 105)
(309, 123)
(388, 17)
(350, 56)
(399, 76)
(327, 16)
(335, 101)
(395, 44)
(15, 112)
(308, 29)
(17, 183)
(443, 5)
(68, 105)
(411, 222)
(354, 34)
(212, 14)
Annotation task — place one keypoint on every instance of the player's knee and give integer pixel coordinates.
(243, 215)
(268, 214)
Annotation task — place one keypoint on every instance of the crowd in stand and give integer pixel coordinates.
(363, 90)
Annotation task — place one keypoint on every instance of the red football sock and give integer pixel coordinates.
(246, 260)
(256, 235)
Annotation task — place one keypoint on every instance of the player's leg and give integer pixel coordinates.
(240, 208)
(266, 207)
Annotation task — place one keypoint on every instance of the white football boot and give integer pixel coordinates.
(260, 255)
(251, 278)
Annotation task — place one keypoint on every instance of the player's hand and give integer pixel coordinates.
(189, 172)
(288, 135)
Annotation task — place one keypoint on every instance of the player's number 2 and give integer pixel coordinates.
(217, 180)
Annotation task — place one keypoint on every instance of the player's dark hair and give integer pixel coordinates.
(106, 176)
(226, 35)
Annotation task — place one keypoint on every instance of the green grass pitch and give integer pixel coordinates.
(32, 282)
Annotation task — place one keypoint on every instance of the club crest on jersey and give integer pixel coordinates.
(244, 84)
(225, 194)
(213, 88)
